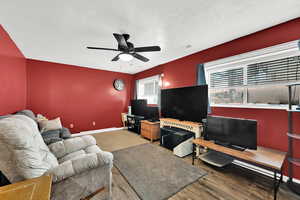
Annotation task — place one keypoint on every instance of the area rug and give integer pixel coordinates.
(116, 140)
(153, 172)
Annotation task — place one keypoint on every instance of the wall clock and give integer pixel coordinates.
(119, 84)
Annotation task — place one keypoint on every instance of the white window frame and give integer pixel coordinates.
(147, 80)
(284, 50)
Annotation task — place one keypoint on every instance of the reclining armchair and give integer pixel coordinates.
(78, 166)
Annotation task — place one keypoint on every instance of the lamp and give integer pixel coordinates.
(126, 57)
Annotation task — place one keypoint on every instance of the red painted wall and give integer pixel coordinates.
(272, 123)
(12, 75)
(78, 95)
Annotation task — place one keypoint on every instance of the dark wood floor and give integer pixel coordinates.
(229, 183)
(232, 183)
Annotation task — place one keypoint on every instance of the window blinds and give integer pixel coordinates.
(227, 78)
(275, 71)
(149, 88)
(280, 70)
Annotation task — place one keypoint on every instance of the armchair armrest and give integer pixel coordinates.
(80, 164)
(62, 148)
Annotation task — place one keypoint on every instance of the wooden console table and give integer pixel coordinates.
(186, 125)
(150, 130)
(265, 158)
(32, 189)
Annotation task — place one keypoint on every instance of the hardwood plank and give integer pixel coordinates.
(121, 190)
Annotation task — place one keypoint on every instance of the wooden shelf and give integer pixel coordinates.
(262, 156)
(296, 136)
(295, 161)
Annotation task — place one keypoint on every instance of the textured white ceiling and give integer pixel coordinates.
(59, 30)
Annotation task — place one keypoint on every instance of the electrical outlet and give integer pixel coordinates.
(71, 125)
(94, 123)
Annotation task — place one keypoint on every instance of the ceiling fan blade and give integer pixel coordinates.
(140, 57)
(99, 48)
(121, 41)
(145, 49)
(116, 58)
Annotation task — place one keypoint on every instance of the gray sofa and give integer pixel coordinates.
(78, 166)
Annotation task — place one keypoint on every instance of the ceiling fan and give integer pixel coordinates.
(127, 49)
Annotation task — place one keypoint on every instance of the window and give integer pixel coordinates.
(225, 86)
(256, 78)
(280, 70)
(148, 88)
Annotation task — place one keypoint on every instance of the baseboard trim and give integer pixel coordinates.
(97, 131)
(262, 171)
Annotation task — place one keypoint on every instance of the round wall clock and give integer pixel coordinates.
(119, 84)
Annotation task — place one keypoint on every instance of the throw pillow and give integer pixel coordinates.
(48, 125)
(51, 136)
(40, 117)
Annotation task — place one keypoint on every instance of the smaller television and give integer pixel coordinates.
(138, 107)
(232, 132)
(152, 113)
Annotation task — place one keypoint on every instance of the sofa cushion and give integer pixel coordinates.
(27, 113)
(4, 116)
(30, 154)
(62, 148)
(8, 165)
(79, 162)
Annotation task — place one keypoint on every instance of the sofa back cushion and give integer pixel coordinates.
(27, 113)
(28, 151)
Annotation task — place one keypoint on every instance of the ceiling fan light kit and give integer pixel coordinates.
(127, 49)
(125, 57)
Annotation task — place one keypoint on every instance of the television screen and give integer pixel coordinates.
(138, 107)
(232, 131)
(152, 113)
(187, 103)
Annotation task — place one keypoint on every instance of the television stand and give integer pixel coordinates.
(225, 144)
(235, 147)
(134, 123)
(266, 158)
(216, 158)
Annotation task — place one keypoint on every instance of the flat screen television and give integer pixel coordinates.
(187, 103)
(138, 107)
(152, 113)
(232, 131)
